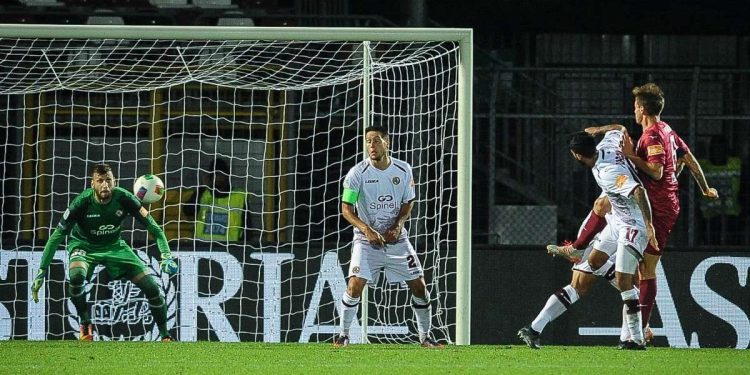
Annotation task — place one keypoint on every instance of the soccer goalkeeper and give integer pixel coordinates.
(93, 221)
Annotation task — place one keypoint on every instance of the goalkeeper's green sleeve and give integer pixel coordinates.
(158, 233)
(49, 249)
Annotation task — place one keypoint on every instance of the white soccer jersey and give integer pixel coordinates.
(617, 178)
(380, 193)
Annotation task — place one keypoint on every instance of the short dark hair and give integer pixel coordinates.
(582, 143)
(650, 97)
(374, 128)
(102, 168)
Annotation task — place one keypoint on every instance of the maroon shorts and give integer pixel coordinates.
(663, 225)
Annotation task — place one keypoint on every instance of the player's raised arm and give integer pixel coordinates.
(695, 169)
(596, 130)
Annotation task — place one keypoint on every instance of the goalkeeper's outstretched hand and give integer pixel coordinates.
(37, 284)
(168, 265)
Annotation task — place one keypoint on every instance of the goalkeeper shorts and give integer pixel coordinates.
(119, 259)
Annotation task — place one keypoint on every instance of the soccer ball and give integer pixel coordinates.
(148, 188)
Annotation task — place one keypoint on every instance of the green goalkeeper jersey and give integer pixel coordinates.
(100, 225)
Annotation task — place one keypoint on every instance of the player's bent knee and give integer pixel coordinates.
(597, 259)
(77, 276)
(78, 264)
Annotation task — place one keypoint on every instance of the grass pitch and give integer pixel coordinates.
(65, 357)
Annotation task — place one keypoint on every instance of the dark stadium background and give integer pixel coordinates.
(578, 60)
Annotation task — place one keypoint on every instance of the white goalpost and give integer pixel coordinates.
(285, 108)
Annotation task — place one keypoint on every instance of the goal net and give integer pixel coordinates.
(286, 117)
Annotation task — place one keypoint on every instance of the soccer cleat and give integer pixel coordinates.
(86, 332)
(530, 337)
(340, 341)
(648, 335)
(631, 345)
(566, 251)
(167, 339)
(430, 343)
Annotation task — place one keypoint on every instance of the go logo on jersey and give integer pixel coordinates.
(105, 229)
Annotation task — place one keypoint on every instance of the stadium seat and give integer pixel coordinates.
(255, 4)
(43, 3)
(214, 4)
(130, 4)
(171, 3)
(104, 17)
(235, 21)
(233, 18)
(104, 20)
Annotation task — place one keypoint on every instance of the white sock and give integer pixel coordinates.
(423, 312)
(633, 315)
(349, 307)
(556, 304)
(624, 330)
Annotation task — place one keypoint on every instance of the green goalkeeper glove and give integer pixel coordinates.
(168, 265)
(37, 284)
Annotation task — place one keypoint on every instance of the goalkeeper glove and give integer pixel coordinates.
(37, 284)
(168, 265)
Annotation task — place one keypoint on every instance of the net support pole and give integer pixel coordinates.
(463, 241)
(366, 81)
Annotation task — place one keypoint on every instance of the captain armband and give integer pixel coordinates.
(349, 196)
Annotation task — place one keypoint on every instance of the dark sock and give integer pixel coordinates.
(76, 291)
(156, 303)
(647, 299)
(592, 225)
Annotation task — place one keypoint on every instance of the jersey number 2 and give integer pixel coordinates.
(411, 262)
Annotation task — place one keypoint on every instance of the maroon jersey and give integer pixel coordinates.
(659, 144)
